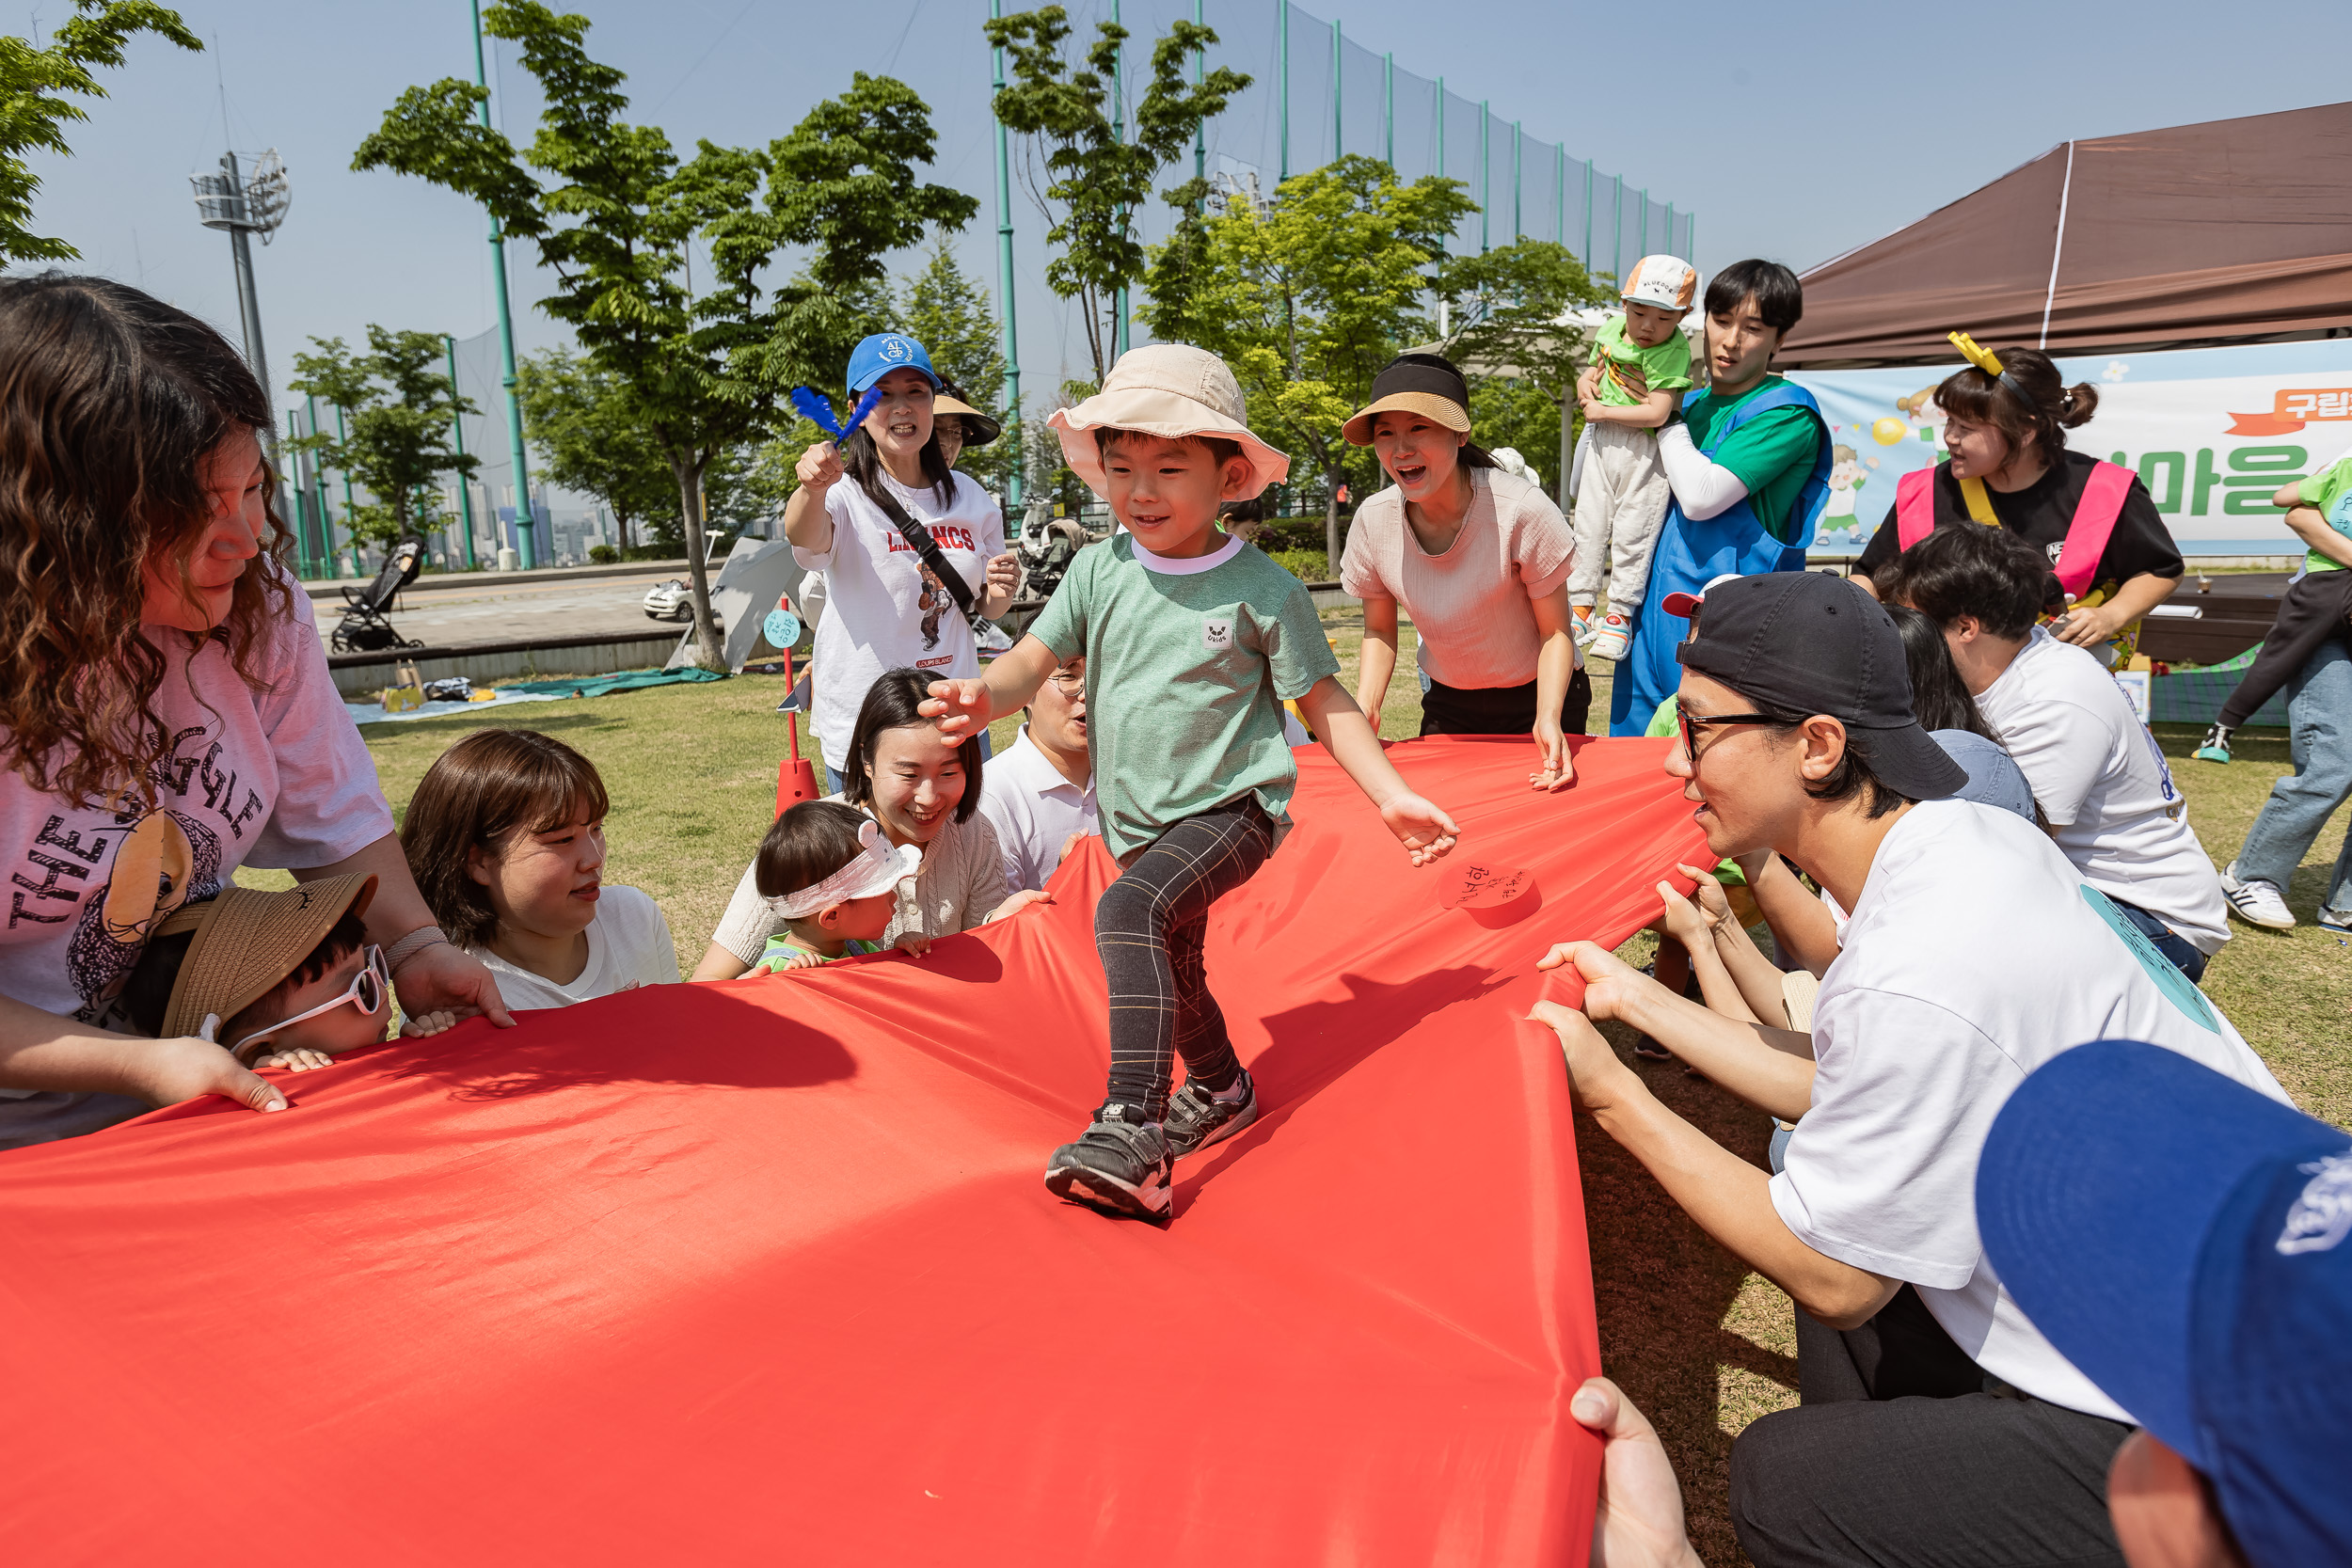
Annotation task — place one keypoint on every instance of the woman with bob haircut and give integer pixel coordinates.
(1478, 558)
(165, 712)
(923, 791)
(2007, 416)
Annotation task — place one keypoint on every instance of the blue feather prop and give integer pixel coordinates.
(818, 409)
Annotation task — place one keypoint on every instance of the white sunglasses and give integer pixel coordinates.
(367, 991)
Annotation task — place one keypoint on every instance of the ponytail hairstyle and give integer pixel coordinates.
(2029, 402)
(111, 401)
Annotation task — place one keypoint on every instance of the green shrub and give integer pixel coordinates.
(604, 555)
(1306, 565)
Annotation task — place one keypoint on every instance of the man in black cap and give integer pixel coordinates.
(1974, 951)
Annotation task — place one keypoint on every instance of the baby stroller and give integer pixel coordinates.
(363, 628)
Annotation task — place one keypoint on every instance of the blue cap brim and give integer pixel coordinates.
(2096, 1191)
(858, 387)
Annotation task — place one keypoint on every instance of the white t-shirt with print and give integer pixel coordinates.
(1034, 811)
(884, 610)
(1974, 955)
(628, 945)
(2100, 780)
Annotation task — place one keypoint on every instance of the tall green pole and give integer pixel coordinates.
(1004, 279)
(358, 569)
(1119, 133)
(526, 543)
(1587, 257)
(1617, 227)
(1518, 143)
(1339, 80)
(1199, 74)
(1642, 243)
(1670, 227)
(325, 559)
(1440, 127)
(1387, 106)
(1560, 194)
(1283, 13)
(1486, 175)
(457, 433)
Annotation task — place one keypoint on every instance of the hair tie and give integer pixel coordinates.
(1990, 363)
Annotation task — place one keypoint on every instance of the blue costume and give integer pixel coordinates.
(1691, 555)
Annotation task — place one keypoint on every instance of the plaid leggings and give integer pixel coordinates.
(1149, 926)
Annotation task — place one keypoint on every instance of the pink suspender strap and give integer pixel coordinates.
(2093, 524)
(1915, 506)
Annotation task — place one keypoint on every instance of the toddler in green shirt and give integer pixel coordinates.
(827, 870)
(1640, 367)
(1193, 639)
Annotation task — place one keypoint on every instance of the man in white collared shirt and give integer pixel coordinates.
(1040, 794)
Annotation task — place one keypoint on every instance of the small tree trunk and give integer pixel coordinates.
(1331, 541)
(713, 651)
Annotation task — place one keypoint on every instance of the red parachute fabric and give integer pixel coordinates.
(765, 1271)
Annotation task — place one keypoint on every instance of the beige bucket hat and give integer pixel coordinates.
(248, 941)
(1165, 390)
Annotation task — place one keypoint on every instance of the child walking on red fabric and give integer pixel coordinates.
(1193, 639)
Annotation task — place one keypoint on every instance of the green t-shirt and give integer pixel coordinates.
(1189, 664)
(1666, 367)
(784, 944)
(1772, 455)
(2331, 490)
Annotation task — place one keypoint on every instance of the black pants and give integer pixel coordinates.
(1149, 928)
(2313, 611)
(1899, 1456)
(1500, 709)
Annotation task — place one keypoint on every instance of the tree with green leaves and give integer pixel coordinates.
(1099, 171)
(400, 414)
(592, 439)
(1308, 298)
(949, 313)
(614, 212)
(1509, 326)
(35, 107)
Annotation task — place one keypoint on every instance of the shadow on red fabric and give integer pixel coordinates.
(766, 1270)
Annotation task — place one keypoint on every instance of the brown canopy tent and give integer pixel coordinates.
(2234, 230)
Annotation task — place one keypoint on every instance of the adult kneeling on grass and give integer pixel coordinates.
(1975, 952)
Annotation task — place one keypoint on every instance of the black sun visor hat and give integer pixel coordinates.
(1423, 383)
(1816, 644)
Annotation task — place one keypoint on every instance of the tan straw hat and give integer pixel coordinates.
(1169, 390)
(1423, 383)
(248, 941)
(978, 428)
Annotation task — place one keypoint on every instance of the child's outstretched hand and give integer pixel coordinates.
(778, 966)
(1426, 831)
(913, 944)
(1018, 902)
(426, 1023)
(958, 707)
(302, 1058)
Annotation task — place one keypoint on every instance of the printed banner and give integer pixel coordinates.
(2213, 433)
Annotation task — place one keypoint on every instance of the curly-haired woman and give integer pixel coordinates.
(166, 710)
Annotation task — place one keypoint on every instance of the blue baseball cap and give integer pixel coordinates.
(1994, 777)
(884, 352)
(2186, 1243)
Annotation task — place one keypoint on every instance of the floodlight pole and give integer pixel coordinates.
(1283, 10)
(223, 203)
(1339, 80)
(526, 541)
(1004, 275)
(1387, 105)
(1119, 133)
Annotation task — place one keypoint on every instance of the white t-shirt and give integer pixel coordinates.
(628, 945)
(1034, 811)
(1975, 954)
(277, 778)
(884, 610)
(2100, 780)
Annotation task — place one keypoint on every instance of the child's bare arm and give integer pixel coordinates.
(1651, 412)
(2311, 527)
(1424, 830)
(961, 706)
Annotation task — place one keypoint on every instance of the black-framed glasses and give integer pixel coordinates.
(1691, 723)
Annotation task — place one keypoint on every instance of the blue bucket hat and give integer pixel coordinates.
(884, 352)
(2186, 1243)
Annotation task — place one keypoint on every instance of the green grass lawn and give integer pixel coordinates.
(1702, 1344)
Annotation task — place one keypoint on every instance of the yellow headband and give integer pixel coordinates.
(1984, 359)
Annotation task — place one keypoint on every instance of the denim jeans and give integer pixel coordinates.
(2319, 714)
(2166, 941)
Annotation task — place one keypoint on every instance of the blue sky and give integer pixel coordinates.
(1794, 131)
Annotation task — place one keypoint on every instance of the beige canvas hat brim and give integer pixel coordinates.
(248, 941)
(978, 428)
(1429, 405)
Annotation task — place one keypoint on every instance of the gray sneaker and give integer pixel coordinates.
(2335, 920)
(1119, 1165)
(1197, 1118)
(2256, 901)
